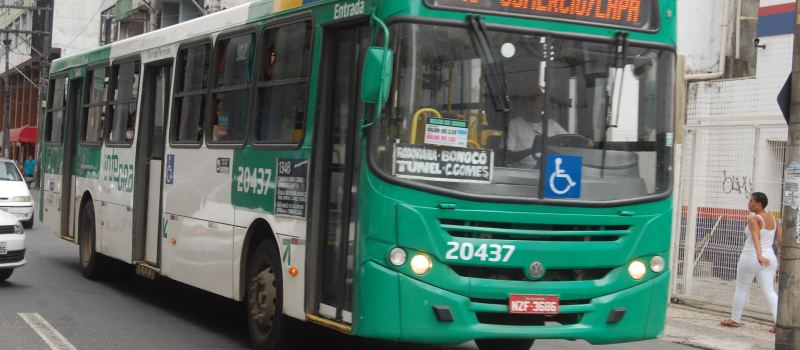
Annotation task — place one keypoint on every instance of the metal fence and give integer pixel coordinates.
(720, 166)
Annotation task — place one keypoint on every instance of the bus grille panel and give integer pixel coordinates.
(534, 232)
(518, 274)
(507, 319)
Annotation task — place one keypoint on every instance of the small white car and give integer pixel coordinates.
(15, 198)
(12, 245)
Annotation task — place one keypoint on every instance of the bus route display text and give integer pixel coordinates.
(633, 14)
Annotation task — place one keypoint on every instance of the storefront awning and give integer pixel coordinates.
(23, 135)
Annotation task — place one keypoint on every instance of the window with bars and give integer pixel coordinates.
(283, 83)
(120, 129)
(190, 94)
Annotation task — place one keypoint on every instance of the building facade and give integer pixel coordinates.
(23, 37)
(738, 56)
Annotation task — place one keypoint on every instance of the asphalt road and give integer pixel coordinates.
(49, 295)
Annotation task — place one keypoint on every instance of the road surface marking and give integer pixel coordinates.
(50, 335)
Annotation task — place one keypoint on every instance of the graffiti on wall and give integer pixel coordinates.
(732, 183)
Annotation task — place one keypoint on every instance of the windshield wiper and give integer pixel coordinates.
(496, 77)
(614, 96)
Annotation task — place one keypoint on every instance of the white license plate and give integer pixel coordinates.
(533, 304)
(3, 250)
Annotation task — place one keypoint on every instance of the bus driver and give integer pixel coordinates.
(524, 132)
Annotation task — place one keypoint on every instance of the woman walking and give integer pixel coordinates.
(758, 260)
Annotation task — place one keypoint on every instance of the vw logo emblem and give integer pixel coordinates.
(536, 270)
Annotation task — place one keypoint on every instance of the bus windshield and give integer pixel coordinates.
(526, 116)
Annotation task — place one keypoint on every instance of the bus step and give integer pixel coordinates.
(147, 271)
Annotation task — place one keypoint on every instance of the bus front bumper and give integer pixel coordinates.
(644, 308)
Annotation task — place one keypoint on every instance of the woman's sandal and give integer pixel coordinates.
(731, 323)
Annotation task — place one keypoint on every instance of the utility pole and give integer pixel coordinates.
(788, 326)
(6, 101)
(44, 84)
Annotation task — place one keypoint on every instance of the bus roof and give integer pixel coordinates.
(184, 31)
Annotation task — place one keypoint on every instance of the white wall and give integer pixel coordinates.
(76, 24)
(728, 151)
(699, 34)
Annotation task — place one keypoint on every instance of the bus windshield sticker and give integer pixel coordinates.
(170, 169)
(563, 176)
(223, 165)
(446, 132)
(639, 14)
(291, 189)
(443, 163)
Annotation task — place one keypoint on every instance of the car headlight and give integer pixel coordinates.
(18, 228)
(21, 199)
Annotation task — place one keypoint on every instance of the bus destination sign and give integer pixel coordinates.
(633, 14)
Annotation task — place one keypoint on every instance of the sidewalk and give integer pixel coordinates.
(700, 328)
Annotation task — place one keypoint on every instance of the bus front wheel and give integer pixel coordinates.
(93, 265)
(504, 344)
(265, 317)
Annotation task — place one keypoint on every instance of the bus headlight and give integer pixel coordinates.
(421, 264)
(637, 269)
(398, 256)
(657, 264)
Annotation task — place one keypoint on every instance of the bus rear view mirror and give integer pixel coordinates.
(377, 75)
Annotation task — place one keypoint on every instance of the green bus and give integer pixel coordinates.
(424, 171)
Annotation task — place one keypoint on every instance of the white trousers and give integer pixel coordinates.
(747, 269)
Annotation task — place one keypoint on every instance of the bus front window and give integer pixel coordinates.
(485, 121)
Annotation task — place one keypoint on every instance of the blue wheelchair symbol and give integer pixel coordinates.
(563, 176)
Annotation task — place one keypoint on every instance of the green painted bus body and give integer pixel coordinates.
(396, 304)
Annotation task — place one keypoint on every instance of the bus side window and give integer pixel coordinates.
(54, 120)
(190, 94)
(283, 84)
(231, 93)
(122, 109)
(94, 113)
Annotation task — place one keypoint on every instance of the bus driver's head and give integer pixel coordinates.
(537, 106)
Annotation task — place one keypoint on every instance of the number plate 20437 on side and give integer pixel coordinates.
(533, 304)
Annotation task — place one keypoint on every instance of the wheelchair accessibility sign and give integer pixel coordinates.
(562, 176)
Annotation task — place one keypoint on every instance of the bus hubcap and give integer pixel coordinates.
(86, 244)
(263, 299)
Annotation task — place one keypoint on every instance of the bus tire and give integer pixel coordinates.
(265, 318)
(93, 265)
(504, 344)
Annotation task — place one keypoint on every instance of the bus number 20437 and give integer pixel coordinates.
(483, 252)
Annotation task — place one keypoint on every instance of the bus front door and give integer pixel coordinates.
(333, 223)
(149, 159)
(68, 205)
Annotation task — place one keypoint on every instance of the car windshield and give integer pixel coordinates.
(526, 116)
(9, 172)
